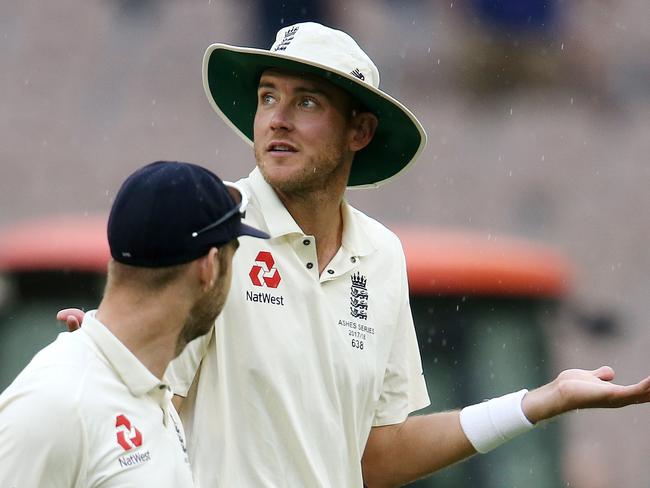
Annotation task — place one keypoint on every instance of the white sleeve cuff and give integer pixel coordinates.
(493, 422)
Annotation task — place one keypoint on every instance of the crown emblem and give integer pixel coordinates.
(358, 74)
(358, 280)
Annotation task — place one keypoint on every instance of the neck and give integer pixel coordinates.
(147, 324)
(318, 213)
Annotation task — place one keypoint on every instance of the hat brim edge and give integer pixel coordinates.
(366, 172)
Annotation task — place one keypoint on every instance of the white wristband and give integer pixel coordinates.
(493, 422)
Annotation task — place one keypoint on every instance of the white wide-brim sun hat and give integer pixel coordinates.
(231, 75)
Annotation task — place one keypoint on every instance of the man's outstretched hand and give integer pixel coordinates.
(71, 317)
(574, 389)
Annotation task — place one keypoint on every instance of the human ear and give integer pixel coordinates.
(209, 269)
(364, 125)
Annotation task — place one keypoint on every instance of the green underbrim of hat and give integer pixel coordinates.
(230, 78)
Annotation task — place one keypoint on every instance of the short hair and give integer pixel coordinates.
(152, 279)
(155, 279)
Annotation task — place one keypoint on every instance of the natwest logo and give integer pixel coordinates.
(128, 436)
(264, 271)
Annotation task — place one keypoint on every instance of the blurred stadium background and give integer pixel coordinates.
(537, 116)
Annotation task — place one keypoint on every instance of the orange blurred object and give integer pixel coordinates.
(472, 263)
(55, 243)
(440, 262)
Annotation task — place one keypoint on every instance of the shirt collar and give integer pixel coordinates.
(356, 239)
(138, 379)
(279, 221)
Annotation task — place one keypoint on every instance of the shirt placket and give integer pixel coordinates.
(342, 263)
(305, 248)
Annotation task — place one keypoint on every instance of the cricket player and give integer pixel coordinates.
(91, 409)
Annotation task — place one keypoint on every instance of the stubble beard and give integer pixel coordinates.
(316, 174)
(202, 315)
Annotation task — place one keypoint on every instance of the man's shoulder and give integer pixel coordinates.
(41, 421)
(62, 366)
(379, 234)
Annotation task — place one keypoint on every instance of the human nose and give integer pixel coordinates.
(281, 118)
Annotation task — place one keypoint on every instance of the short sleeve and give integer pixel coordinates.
(42, 437)
(404, 388)
(181, 371)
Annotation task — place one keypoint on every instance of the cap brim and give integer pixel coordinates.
(247, 230)
(230, 77)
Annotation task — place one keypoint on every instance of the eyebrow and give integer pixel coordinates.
(300, 89)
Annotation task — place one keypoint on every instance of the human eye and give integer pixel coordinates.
(308, 102)
(266, 98)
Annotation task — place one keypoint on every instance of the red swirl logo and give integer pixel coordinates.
(264, 272)
(128, 436)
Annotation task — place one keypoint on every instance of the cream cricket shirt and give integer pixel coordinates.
(301, 365)
(86, 413)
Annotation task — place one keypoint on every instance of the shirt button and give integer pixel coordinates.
(306, 242)
(330, 271)
(353, 259)
(310, 265)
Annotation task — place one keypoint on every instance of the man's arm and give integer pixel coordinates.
(421, 445)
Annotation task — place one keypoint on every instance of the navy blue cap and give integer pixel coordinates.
(164, 215)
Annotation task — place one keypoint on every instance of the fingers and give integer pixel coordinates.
(62, 315)
(72, 323)
(72, 318)
(604, 373)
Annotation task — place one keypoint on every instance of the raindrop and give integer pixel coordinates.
(510, 110)
(543, 157)
(562, 47)
(571, 102)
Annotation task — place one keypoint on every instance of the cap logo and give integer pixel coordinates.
(358, 74)
(264, 272)
(128, 436)
(289, 34)
(359, 297)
